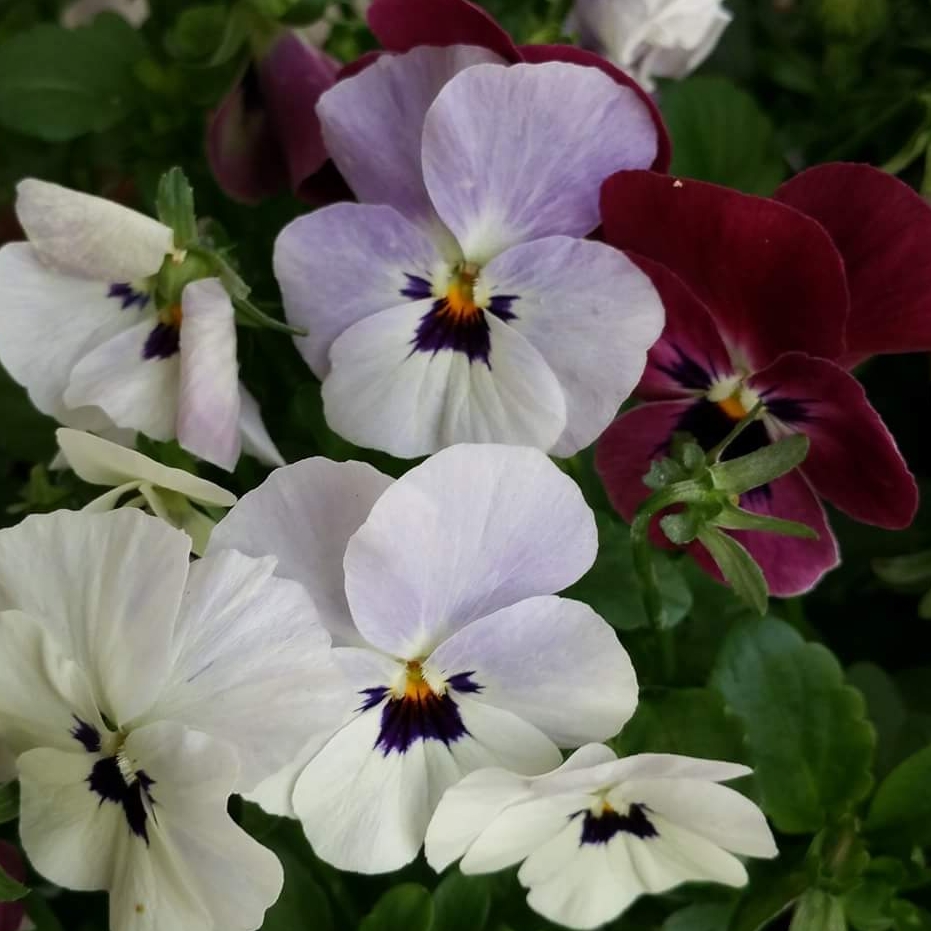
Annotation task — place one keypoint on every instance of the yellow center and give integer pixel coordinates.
(416, 686)
(460, 294)
(733, 407)
(171, 315)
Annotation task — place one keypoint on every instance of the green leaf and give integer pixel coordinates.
(772, 889)
(703, 916)
(408, 907)
(175, 202)
(887, 710)
(302, 903)
(41, 914)
(199, 32)
(58, 84)
(721, 135)
(737, 566)
(811, 747)
(906, 571)
(10, 889)
(901, 808)
(734, 518)
(819, 911)
(9, 802)
(461, 903)
(736, 476)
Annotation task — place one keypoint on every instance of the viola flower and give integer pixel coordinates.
(651, 38)
(756, 298)
(401, 25)
(265, 135)
(138, 481)
(458, 301)
(459, 654)
(599, 832)
(13, 914)
(84, 330)
(129, 681)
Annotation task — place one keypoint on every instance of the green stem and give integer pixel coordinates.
(714, 454)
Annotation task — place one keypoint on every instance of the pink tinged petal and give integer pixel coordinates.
(537, 54)
(252, 664)
(400, 25)
(552, 662)
(109, 593)
(255, 438)
(304, 515)
(11, 862)
(373, 123)
(135, 392)
(384, 393)
(770, 276)
(853, 460)
(690, 356)
(88, 236)
(790, 566)
(882, 228)
(342, 264)
(592, 315)
(523, 529)
(50, 321)
(493, 172)
(209, 402)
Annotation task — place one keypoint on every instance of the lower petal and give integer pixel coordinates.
(384, 394)
(255, 439)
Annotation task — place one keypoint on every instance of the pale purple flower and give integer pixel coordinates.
(457, 302)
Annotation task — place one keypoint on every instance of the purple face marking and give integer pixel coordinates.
(128, 296)
(162, 342)
(599, 829)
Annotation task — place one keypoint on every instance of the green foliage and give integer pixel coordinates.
(461, 903)
(10, 889)
(901, 808)
(407, 906)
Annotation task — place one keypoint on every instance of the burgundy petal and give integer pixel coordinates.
(535, 54)
(12, 913)
(690, 355)
(402, 24)
(853, 460)
(770, 276)
(882, 228)
(790, 566)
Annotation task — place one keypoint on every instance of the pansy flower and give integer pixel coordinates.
(439, 586)
(758, 304)
(84, 330)
(599, 832)
(458, 302)
(138, 691)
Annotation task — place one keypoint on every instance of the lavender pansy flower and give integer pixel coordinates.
(458, 302)
(437, 589)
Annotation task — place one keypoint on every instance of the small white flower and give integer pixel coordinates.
(84, 331)
(129, 679)
(139, 481)
(599, 832)
(439, 586)
(651, 38)
(82, 12)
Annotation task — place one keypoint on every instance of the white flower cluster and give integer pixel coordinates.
(384, 660)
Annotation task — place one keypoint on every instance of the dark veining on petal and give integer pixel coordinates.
(373, 697)
(688, 373)
(128, 295)
(108, 782)
(162, 342)
(500, 305)
(463, 682)
(599, 829)
(86, 734)
(418, 289)
(790, 410)
(439, 329)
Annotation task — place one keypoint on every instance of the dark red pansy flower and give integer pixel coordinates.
(12, 913)
(401, 25)
(265, 138)
(758, 297)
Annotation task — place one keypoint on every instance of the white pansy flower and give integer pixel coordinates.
(138, 691)
(82, 12)
(138, 481)
(439, 586)
(651, 38)
(599, 832)
(85, 332)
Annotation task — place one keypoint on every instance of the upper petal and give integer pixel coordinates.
(770, 276)
(882, 228)
(373, 122)
(471, 530)
(108, 592)
(208, 402)
(512, 154)
(88, 236)
(304, 515)
(342, 264)
(592, 315)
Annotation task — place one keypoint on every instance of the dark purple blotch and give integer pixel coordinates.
(86, 734)
(128, 295)
(107, 781)
(162, 342)
(599, 829)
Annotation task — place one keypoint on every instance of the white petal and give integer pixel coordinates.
(253, 664)
(82, 12)
(209, 402)
(100, 462)
(384, 394)
(69, 837)
(551, 661)
(43, 693)
(88, 236)
(108, 592)
(672, 766)
(473, 529)
(304, 515)
(50, 322)
(134, 392)
(255, 439)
